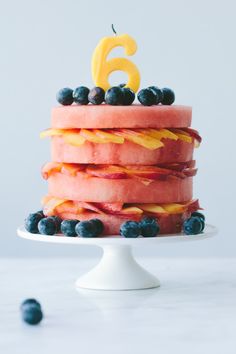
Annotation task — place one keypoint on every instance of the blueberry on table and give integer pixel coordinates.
(147, 97)
(128, 96)
(32, 221)
(130, 229)
(149, 227)
(30, 302)
(32, 314)
(86, 229)
(99, 226)
(96, 95)
(47, 226)
(68, 227)
(114, 96)
(168, 96)
(200, 215)
(80, 95)
(158, 92)
(65, 96)
(193, 226)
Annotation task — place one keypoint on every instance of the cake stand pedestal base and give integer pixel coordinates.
(117, 270)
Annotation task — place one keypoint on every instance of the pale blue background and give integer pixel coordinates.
(46, 45)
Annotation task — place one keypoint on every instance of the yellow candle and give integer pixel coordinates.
(102, 68)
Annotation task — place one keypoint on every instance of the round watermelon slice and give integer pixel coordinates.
(134, 116)
(130, 190)
(127, 153)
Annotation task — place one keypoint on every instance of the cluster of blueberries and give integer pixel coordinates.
(147, 227)
(51, 225)
(115, 96)
(31, 311)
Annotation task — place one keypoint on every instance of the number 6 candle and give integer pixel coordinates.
(102, 68)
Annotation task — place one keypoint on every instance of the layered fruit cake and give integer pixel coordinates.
(121, 163)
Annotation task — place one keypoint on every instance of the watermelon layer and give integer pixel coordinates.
(94, 189)
(134, 116)
(127, 153)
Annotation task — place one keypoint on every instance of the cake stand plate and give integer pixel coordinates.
(118, 270)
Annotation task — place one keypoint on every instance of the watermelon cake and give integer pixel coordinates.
(121, 164)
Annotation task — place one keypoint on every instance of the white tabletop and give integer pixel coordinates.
(194, 310)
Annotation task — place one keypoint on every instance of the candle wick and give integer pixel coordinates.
(113, 29)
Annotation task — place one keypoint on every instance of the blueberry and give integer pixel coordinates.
(99, 226)
(47, 226)
(158, 92)
(41, 212)
(168, 96)
(96, 95)
(68, 227)
(32, 314)
(29, 302)
(86, 229)
(65, 96)
(130, 229)
(114, 96)
(193, 226)
(58, 221)
(200, 215)
(149, 227)
(80, 95)
(31, 222)
(147, 97)
(128, 96)
(122, 85)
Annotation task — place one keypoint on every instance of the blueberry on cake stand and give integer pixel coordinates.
(117, 269)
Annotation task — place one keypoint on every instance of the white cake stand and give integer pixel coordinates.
(118, 270)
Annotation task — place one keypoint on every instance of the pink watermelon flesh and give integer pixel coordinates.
(134, 116)
(94, 189)
(120, 154)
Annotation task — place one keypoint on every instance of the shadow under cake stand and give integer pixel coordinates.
(117, 269)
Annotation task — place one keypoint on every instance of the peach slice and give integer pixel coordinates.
(51, 132)
(71, 169)
(107, 171)
(152, 208)
(73, 137)
(49, 168)
(51, 204)
(130, 211)
(109, 137)
(174, 208)
(110, 207)
(138, 138)
(183, 135)
(91, 136)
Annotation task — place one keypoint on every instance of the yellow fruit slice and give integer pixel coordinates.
(131, 210)
(152, 208)
(51, 132)
(91, 136)
(138, 138)
(50, 204)
(174, 208)
(74, 139)
(168, 134)
(109, 137)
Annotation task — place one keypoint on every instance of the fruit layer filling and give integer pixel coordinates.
(148, 138)
(57, 206)
(143, 173)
